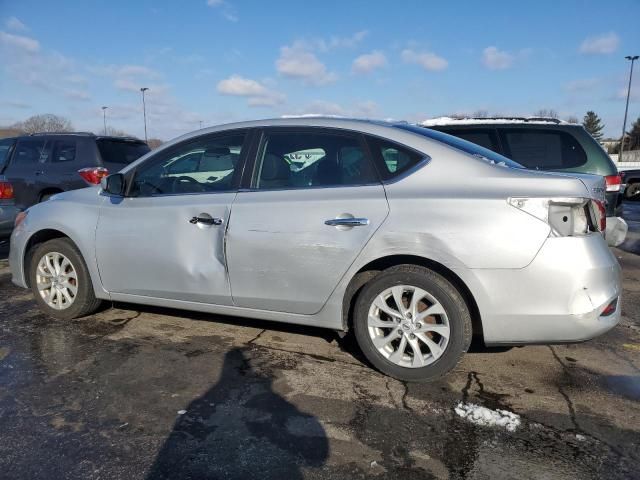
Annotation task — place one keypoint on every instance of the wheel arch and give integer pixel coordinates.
(36, 239)
(374, 267)
(48, 191)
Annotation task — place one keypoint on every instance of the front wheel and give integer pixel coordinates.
(412, 324)
(60, 280)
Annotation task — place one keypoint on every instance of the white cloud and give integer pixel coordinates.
(296, 61)
(19, 42)
(257, 94)
(427, 60)
(601, 44)
(582, 85)
(227, 10)
(495, 59)
(336, 41)
(368, 62)
(12, 23)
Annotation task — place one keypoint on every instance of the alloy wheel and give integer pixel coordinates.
(57, 281)
(408, 326)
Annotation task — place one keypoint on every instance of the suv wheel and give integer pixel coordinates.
(412, 324)
(632, 191)
(60, 280)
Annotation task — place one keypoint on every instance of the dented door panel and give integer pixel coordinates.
(151, 247)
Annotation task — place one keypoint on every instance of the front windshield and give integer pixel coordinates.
(463, 145)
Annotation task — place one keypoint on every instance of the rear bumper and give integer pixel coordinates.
(7, 218)
(558, 298)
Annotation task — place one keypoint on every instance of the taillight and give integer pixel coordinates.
(93, 175)
(567, 217)
(609, 309)
(6, 190)
(599, 215)
(614, 183)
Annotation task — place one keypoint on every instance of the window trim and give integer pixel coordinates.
(167, 152)
(260, 144)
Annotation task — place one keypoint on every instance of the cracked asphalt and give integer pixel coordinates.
(147, 393)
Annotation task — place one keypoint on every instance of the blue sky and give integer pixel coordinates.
(219, 61)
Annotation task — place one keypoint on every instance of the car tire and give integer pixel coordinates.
(434, 291)
(71, 276)
(632, 191)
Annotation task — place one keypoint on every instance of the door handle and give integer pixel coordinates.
(347, 222)
(205, 221)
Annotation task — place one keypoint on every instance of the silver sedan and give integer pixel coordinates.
(414, 240)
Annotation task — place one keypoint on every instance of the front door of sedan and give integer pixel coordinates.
(314, 204)
(166, 237)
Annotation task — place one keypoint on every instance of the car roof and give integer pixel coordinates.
(476, 121)
(81, 134)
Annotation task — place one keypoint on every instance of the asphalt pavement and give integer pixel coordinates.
(145, 393)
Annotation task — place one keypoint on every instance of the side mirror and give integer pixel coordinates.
(113, 184)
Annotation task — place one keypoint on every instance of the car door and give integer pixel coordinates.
(314, 203)
(60, 171)
(166, 237)
(26, 167)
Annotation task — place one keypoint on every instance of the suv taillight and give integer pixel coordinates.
(6, 190)
(93, 175)
(567, 217)
(614, 183)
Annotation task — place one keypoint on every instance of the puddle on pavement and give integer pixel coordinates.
(627, 386)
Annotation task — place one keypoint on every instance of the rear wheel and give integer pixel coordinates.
(632, 191)
(60, 280)
(412, 324)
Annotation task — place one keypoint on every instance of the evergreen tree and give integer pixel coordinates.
(593, 125)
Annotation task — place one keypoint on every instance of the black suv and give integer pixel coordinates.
(34, 167)
(545, 144)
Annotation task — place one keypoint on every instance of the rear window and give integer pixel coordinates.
(483, 138)
(121, 151)
(544, 149)
(465, 146)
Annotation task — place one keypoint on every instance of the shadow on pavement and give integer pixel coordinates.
(241, 429)
(4, 249)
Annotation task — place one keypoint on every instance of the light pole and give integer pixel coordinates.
(633, 58)
(200, 124)
(104, 118)
(144, 112)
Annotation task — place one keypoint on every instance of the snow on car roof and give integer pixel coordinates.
(440, 121)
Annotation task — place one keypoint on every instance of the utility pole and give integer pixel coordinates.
(144, 112)
(200, 124)
(633, 58)
(104, 118)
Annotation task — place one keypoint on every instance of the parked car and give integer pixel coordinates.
(545, 144)
(35, 167)
(371, 236)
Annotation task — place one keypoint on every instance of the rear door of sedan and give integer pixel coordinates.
(314, 200)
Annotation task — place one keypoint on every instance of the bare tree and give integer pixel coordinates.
(572, 119)
(481, 114)
(115, 132)
(44, 123)
(546, 112)
(154, 143)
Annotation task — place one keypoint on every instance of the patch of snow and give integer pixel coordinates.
(181, 412)
(581, 438)
(486, 417)
(441, 121)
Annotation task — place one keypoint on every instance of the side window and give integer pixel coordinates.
(302, 160)
(5, 147)
(484, 138)
(544, 149)
(196, 166)
(29, 151)
(64, 151)
(393, 159)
